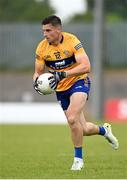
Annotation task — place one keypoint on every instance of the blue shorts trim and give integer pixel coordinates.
(82, 85)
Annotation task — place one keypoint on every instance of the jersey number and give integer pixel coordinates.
(57, 54)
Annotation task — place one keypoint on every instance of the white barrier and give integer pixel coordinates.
(31, 113)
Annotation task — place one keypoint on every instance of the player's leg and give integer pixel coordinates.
(73, 117)
(105, 130)
(77, 130)
(88, 127)
(73, 113)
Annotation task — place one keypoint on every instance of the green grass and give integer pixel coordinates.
(46, 151)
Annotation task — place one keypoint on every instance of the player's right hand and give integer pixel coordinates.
(35, 85)
(52, 82)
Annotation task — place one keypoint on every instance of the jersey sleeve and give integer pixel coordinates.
(39, 55)
(77, 46)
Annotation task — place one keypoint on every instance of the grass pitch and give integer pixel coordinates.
(46, 151)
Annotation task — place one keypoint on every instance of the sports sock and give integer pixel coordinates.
(78, 152)
(102, 130)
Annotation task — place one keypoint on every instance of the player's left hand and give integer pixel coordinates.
(35, 85)
(58, 75)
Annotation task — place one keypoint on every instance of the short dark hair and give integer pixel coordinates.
(54, 20)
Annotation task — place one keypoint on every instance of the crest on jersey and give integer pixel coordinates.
(67, 53)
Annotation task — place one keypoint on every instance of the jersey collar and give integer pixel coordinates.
(61, 41)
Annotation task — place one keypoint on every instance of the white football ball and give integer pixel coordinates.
(43, 83)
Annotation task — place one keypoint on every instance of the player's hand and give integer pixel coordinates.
(58, 75)
(35, 85)
(52, 82)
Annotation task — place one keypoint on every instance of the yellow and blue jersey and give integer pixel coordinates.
(61, 57)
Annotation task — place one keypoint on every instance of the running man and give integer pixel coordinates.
(65, 57)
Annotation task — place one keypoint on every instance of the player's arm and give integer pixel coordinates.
(39, 69)
(83, 65)
(82, 68)
(39, 61)
(81, 58)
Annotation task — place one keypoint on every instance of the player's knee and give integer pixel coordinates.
(71, 118)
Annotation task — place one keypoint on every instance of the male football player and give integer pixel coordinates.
(66, 58)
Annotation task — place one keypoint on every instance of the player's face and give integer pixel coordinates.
(51, 33)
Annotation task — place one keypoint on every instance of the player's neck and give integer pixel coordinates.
(58, 41)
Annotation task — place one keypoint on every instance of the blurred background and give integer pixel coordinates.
(101, 26)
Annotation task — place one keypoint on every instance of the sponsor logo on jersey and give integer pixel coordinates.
(61, 63)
